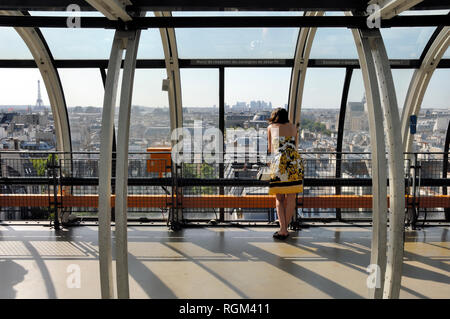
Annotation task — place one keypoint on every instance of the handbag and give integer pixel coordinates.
(263, 174)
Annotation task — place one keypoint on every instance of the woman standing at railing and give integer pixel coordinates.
(286, 167)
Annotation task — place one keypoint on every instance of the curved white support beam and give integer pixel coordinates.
(391, 8)
(419, 84)
(173, 73)
(50, 76)
(379, 163)
(123, 134)
(386, 86)
(380, 90)
(105, 164)
(298, 75)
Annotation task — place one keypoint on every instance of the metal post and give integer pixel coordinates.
(415, 209)
(445, 163)
(347, 80)
(122, 166)
(55, 191)
(222, 131)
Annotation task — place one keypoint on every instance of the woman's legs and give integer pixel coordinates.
(281, 209)
(289, 208)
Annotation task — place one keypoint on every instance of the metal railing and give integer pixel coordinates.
(68, 185)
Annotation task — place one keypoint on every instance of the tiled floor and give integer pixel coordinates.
(319, 262)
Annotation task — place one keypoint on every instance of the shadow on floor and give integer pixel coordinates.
(12, 274)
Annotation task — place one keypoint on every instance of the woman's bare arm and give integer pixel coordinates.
(269, 140)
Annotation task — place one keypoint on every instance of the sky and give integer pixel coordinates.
(323, 87)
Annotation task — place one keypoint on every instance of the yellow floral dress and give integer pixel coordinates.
(286, 167)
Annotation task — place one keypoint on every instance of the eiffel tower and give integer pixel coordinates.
(39, 103)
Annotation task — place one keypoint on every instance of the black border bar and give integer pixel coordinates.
(225, 22)
(217, 63)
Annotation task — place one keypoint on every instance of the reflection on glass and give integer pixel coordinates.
(79, 43)
(245, 43)
(249, 43)
(333, 43)
(406, 43)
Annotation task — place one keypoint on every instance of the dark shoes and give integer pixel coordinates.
(276, 235)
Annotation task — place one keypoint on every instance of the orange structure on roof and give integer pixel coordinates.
(160, 160)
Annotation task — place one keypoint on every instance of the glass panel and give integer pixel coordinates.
(77, 43)
(150, 45)
(333, 43)
(149, 121)
(432, 122)
(263, 43)
(323, 88)
(424, 12)
(406, 43)
(256, 89)
(21, 117)
(320, 109)
(356, 139)
(12, 45)
(356, 128)
(250, 95)
(432, 125)
(402, 79)
(200, 96)
(83, 90)
(221, 43)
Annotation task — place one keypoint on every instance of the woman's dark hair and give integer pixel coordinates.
(279, 115)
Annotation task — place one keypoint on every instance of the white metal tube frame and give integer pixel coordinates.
(122, 166)
(379, 165)
(388, 97)
(105, 163)
(169, 43)
(374, 58)
(298, 74)
(173, 73)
